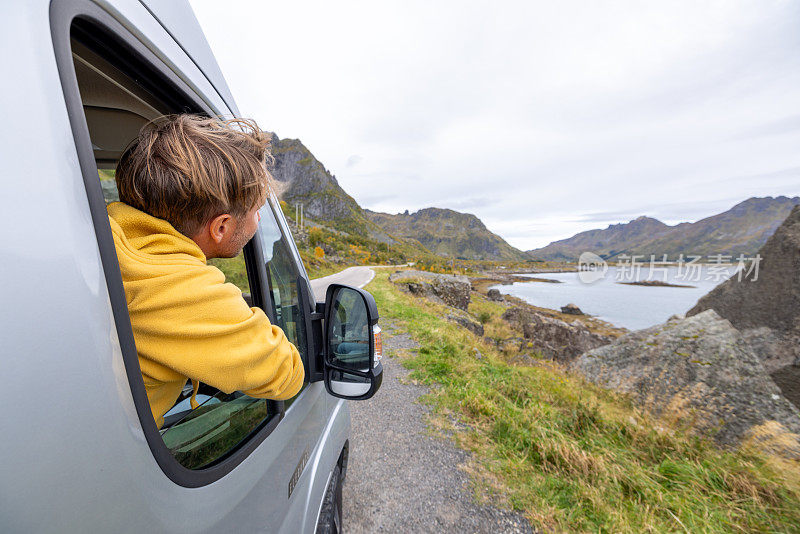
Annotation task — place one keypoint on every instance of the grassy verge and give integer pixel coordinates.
(575, 457)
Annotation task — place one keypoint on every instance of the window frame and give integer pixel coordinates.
(300, 278)
(63, 15)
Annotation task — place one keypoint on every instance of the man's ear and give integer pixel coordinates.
(220, 228)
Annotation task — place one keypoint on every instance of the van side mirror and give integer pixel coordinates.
(352, 351)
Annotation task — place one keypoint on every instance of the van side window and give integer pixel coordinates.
(116, 105)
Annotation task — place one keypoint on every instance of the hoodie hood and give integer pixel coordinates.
(153, 239)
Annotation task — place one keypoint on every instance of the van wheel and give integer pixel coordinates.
(330, 516)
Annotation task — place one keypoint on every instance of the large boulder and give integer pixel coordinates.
(446, 289)
(552, 338)
(495, 295)
(518, 315)
(701, 372)
(767, 308)
(772, 299)
(571, 309)
(561, 341)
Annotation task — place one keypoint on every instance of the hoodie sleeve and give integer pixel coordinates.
(193, 323)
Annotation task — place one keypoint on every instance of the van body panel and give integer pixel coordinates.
(59, 341)
(136, 18)
(334, 438)
(180, 21)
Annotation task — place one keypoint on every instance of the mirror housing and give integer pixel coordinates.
(352, 343)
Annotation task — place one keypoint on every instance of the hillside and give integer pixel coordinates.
(301, 178)
(448, 233)
(743, 229)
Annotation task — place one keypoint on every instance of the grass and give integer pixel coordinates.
(575, 457)
(489, 314)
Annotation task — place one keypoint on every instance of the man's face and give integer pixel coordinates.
(244, 231)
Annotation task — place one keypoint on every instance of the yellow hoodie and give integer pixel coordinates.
(188, 323)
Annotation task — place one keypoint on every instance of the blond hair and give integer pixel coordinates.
(187, 169)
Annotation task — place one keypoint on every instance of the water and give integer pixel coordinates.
(631, 306)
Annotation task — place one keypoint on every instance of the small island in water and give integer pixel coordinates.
(653, 283)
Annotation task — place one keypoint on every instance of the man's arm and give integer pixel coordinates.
(195, 324)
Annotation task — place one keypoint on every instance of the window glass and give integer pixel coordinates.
(115, 107)
(201, 436)
(291, 246)
(282, 280)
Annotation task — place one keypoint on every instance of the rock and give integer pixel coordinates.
(571, 309)
(552, 338)
(772, 300)
(788, 380)
(517, 315)
(443, 288)
(495, 295)
(559, 340)
(491, 341)
(465, 320)
(476, 353)
(767, 310)
(515, 344)
(700, 372)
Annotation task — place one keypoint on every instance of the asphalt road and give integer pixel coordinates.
(400, 477)
(352, 276)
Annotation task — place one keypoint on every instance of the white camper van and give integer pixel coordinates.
(80, 449)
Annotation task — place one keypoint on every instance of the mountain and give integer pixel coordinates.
(300, 178)
(448, 233)
(743, 229)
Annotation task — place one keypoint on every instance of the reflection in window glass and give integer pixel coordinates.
(349, 344)
(216, 427)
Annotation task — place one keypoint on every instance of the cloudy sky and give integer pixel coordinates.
(542, 118)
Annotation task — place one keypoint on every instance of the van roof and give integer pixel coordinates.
(180, 22)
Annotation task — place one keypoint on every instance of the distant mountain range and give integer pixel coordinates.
(743, 229)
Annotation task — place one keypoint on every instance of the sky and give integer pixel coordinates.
(544, 119)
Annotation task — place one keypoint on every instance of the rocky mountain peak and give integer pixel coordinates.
(299, 177)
